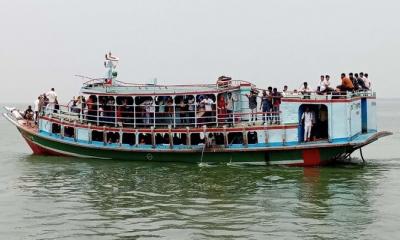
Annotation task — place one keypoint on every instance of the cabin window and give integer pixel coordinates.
(107, 110)
(128, 138)
(196, 138)
(235, 138)
(56, 128)
(219, 138)
(144, 111)
(179, 139)
(159, 139)
(69, 132)
(319, 129)
(97, 136)
(145, 139)
(112, 137)
(91, 109)
(252, 137)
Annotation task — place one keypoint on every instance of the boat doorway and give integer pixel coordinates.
(319, 129)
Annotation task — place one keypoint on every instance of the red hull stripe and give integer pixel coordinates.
(38, 150)
(311, 157)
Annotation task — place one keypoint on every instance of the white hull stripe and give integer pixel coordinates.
(286, 162)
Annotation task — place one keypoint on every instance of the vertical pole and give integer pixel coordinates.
(153, 138)
(134, 114)
(104, 135)
(225, 138)
(188, 143)
(120, 136)
(75, 132)
(174, 105)
(136, 137)
(171, 140)
(216, 110)
(154, 112)
(245, 139)
(62, 129)
(97, 111)
(89, 133)
(115, 112)
(195, 111)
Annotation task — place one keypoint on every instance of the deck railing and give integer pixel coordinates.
(136, 116)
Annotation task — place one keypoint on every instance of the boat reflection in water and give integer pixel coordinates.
(101, 198)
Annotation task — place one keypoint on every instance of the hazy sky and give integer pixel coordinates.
(44, 43)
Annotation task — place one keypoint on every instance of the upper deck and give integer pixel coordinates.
(118, 88)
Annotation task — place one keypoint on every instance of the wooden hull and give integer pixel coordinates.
(311, 154)
(305, 156)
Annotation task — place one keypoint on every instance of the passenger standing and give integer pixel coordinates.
(265, 105)
(161, 110)
(284, 91)
(221, 104)
(208, 102)
(36, 109)
(308, 118)
(252, 105)
(367, 81)
(191, 108)
(170, 110)
(276, 104)
(52, 97)
(230, 106)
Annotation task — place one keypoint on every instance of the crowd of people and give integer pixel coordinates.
(350, 83)
(206, 109)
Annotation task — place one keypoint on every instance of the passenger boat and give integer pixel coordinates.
(170, 123)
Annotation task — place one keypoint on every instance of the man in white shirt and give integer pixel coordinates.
(208, 102)
(321, 84)
(305, 89)
(36, 109)
(149, 108)
(52, 97)
(284, 91)
(309, 119)
(367, 82)
(230, 106)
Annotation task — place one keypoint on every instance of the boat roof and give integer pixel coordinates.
(118, 88)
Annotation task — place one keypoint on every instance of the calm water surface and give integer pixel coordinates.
(66, 198)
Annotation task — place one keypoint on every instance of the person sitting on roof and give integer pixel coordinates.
(305, 89)
(354, 81)
(360, 82)
(367, 82)
(324, 85)
(346, 85)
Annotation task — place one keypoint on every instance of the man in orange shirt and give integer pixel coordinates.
(346, 85)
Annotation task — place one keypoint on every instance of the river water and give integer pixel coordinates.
(66, 198)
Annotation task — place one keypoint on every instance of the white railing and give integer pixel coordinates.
(135, 116)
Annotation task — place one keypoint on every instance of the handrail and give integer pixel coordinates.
(152, 118)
